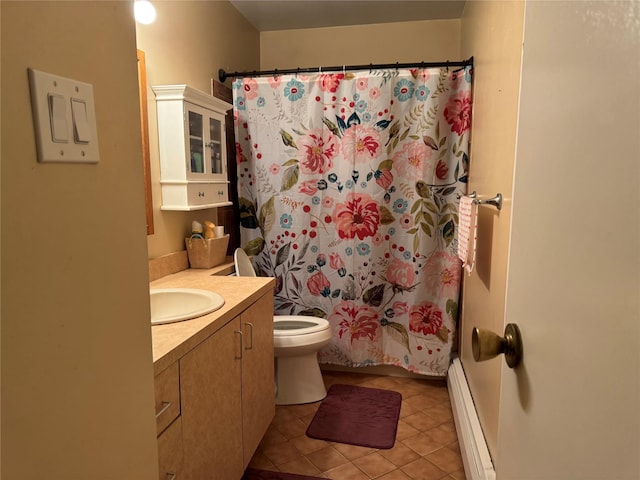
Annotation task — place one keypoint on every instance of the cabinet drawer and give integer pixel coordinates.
(170, 456)
(207, 193)
(167, 387)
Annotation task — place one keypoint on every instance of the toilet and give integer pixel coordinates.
(296, 341)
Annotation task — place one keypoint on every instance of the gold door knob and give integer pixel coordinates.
(486, 344)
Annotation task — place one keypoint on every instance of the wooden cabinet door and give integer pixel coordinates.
(258, 394)
(212, 407)
(170, 452)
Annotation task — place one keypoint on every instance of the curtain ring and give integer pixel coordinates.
(297, 72)
(320, 70)
(275, 73)
(344, 70)
(370, 68)
(397, 67)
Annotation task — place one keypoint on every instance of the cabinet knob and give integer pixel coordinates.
(201, 194)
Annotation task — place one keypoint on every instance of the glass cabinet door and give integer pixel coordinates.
(215, 135)
(196, 142)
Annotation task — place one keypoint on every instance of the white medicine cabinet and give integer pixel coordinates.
(193, 153)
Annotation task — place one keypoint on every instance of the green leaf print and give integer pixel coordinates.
(287, 139)
(313, 312)
(399, 333)
(422, 189)
(374, 295)
(386, 217)
(255, 246)
(267, 216)
(247, 213)
(448, 232)
(290, 178)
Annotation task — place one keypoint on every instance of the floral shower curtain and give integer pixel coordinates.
(348, 192)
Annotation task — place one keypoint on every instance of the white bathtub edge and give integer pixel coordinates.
(475, 454)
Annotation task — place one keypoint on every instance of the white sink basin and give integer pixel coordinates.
(170, 305)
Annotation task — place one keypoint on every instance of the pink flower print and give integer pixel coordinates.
(457, 79)
(445, 281)
(400, 274)
(250, 88)
(400, 308)
(442, 170)
(318, 284)
(420, 74)
(361, 143)
(358, 216)
(335, 261)
(308, 187)
(374, 93)
(362, 83)
(458, 112)
(406, 221)
(425, 318)
(317, 150)
(413, 161)
(384, 178)
(328, 202)
(329, 82)
(274, 81)
(239, 154)
(274, 169)
(377, 239)
(353, 322)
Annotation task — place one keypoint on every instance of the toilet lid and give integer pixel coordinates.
(286, 325)
(244, 267)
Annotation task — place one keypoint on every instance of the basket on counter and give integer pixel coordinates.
(206, 253)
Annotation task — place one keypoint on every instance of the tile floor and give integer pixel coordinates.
(426, 445)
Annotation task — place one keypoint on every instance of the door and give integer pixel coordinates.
(571, 410)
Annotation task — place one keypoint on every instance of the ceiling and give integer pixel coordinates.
(268, 15)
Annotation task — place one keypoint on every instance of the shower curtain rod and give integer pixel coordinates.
(222, 75)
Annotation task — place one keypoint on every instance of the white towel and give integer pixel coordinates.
(467, 235)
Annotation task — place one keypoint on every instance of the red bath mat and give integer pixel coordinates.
(362, 416)
(255, 474)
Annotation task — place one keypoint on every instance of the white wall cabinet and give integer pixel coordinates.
(192, 147)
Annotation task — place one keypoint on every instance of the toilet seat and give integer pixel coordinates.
(290, 325)
(290, 340)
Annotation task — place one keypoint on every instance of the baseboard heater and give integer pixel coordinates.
(473, 447)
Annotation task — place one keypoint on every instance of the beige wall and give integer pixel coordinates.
(429, 41)
(187, 44)
(491, 33)
(77, 374)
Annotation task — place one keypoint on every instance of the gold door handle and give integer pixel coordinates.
(486, 344)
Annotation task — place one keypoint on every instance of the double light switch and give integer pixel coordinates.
(64, 118)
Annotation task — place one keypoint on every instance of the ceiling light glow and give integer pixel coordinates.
(144, 12)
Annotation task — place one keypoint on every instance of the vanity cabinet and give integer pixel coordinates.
(192, 148)
(212, 406)
(227, 401)
(257, 374)
(169, 423)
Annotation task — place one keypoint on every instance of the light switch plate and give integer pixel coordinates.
(43, 87)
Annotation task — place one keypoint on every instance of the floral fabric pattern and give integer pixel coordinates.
(348, 192)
